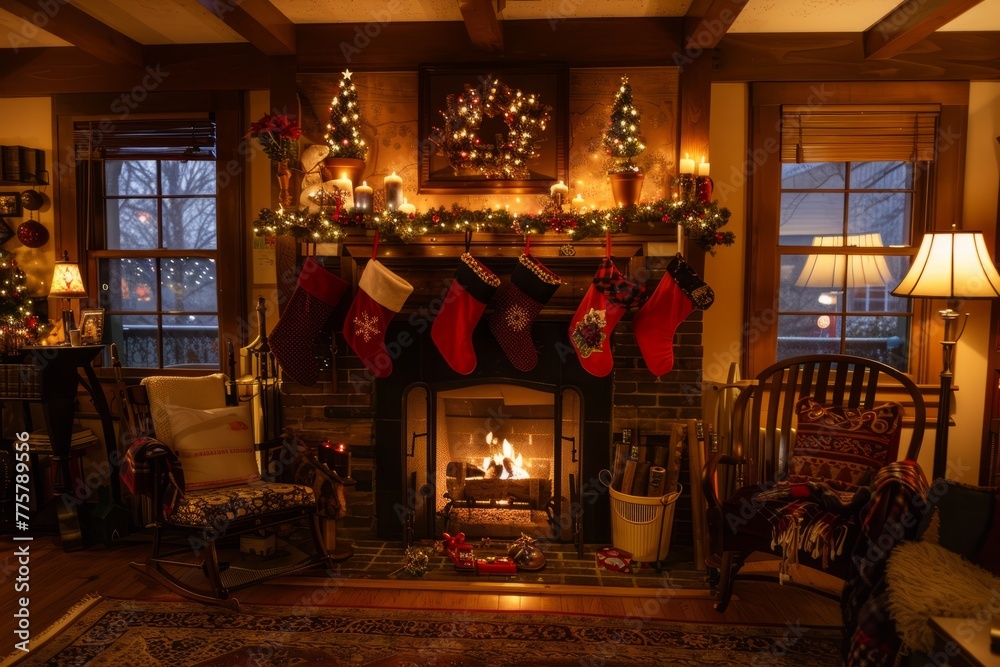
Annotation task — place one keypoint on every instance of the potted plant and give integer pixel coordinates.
(623, 142)
(348, 150)
(278, 136)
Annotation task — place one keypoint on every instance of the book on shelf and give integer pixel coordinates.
(41, 442)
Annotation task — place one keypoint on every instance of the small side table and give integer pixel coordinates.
(964, 641)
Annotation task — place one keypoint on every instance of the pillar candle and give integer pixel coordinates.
(577, 201)
(407, 208)
(703, 168)
(363, 196)
(393, 191)
(687, 165)
(559, 188)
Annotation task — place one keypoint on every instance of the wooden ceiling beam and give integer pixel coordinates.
(79, 29)
(826, 56)
(482, 23)
(713, 24)
(257, 21)
(909, 23)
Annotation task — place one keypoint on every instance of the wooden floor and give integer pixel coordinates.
(59, 580)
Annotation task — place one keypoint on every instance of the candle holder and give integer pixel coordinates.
(558, 199)
(703, 189)
(686, 187)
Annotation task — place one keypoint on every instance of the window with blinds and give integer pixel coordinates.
(151, 212)
(851, 196)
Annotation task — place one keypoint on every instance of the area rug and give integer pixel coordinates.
(122, 633)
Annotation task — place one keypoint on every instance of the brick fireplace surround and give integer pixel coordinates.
(344, 405)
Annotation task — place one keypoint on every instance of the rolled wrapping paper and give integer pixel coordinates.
(657, 481)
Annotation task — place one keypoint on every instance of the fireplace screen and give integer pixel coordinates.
(500, 459)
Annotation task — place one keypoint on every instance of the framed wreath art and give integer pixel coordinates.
(502, 131)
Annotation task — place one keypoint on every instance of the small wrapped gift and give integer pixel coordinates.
(615, 560)
(460, 553)
(495, 565)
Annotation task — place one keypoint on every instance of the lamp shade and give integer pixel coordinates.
(66, 279)
(951, 265)
(836, 270)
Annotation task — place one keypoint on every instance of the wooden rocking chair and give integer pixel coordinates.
(763, 438)
(204, 519)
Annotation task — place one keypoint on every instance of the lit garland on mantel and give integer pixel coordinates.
(701, 222)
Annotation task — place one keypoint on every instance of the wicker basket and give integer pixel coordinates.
(642, 525)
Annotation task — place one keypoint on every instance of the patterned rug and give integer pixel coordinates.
(104, 632)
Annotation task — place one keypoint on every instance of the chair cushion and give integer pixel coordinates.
(844, 444)
(216, 507)
(215, 447)
(206, 392)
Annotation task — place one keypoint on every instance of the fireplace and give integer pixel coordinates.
(494, 454)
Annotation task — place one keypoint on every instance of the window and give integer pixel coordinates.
(153, 190)
(841, 229)
(845, 179)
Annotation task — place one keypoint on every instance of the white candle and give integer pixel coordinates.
(559, 188)
(703, 168)
(406, 208)
(393, 191)
(687, 165)
(344, 184)
(577, 201)
(363, 196)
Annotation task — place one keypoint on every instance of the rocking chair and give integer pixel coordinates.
(191, 526)
(768, 435)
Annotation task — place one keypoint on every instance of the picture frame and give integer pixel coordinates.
(10, 204)
(549, 82)
(91, 326)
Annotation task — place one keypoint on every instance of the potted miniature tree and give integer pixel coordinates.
(348, 150)
(623, 142)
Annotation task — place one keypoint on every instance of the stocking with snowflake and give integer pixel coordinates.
(381, 295)
(343, 132)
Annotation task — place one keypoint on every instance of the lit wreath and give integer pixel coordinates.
(524, 114)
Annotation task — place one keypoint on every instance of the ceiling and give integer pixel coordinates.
(188, 22)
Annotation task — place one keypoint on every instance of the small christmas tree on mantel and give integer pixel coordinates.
(623, 141)
(348, 150)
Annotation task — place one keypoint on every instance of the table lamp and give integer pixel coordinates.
(67, 283)
(950, 265)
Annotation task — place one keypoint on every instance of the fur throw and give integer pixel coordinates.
(925, 580)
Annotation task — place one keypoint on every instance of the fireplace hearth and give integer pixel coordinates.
(494, 454)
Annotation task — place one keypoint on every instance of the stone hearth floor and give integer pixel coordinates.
(374, 559)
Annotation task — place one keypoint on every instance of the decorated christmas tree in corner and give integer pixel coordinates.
(623, 141)
(343, 133)
(18, 325)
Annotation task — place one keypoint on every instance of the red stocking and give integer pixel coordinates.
(679, 292)
(608, 298)
(467, 297)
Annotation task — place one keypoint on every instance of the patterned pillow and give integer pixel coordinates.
(847, 445)
(215, 447)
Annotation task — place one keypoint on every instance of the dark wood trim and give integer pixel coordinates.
(259, 22)
(284, 99)
(713, 25)
(227, 107)
(78, 28)
(196, 67)
(482, 24)
(945, 184)
(909, 23)
(693, 125)
(405, 46)
(949, 56)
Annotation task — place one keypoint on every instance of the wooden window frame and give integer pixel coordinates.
(233, 239)
(944, 181)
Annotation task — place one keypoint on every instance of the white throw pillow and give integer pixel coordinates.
(215, 447)
(205, 392)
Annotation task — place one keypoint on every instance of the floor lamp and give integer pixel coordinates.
(950, 265)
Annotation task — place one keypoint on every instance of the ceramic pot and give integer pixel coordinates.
(626, 187)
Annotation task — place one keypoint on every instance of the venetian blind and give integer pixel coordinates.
(172, 138)
(858, 133)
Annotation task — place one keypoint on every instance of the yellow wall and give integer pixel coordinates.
(29, 123)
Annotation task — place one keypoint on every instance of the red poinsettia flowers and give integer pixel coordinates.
(277, 135)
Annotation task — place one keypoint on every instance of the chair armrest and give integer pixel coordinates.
(709, 475)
